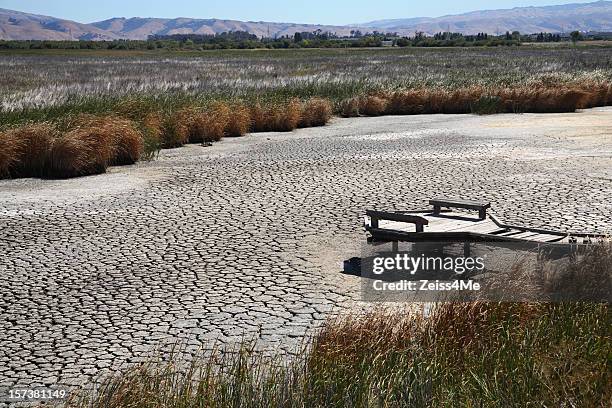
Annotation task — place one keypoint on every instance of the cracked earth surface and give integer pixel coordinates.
(247, 236)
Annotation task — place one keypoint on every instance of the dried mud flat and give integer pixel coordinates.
(247, 237)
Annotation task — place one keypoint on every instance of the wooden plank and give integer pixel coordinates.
(449, 226)
(381, 215)
(397, 226)
(484, 228)
(458, 203)
(509, 233)
(545, 238)
(525, 234)
(439, 223)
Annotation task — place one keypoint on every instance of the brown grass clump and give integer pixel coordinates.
(174, 130)
(126, 141)
(129, 142)
(598, 93)
(80, 152)
(372, 105)
(153, 126)
(204, 126)
(285, 117)
(258, 118)
(409, 102)
(535, 99)
(239, 121)
(550, 100)
(279, 117)
(33, 142)
(93, 144)
(10, 146)
(349, 108)
(214, 122)
(316, 112)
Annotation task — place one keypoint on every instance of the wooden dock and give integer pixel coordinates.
(438, 224)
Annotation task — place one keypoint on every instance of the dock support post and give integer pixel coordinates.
(395, 246)
(437, 209)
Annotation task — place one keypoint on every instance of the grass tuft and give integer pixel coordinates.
(174, 130)
(32, 144)
(316, 112)
(372, 105)
(349, 108)
(79, 152)
(10, 148)
(239, 121)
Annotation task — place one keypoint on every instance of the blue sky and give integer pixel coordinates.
(310, 11)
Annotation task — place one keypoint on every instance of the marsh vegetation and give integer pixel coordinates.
(176, 98)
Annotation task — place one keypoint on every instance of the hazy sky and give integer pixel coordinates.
(309, 11)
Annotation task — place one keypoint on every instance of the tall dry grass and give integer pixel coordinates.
(26, 149)
(88, 144)
(10, 146)
(316, 112)
(204, 125)
(480, 100)
(276, 116)
(239, 122)
(138, 130)
(125, 141)
(174, 130)
(79, 152)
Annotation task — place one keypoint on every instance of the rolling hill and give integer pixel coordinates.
(15, 25)
(597, 16)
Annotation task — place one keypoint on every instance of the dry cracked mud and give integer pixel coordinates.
(246, 237)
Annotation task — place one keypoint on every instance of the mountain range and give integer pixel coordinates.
(597, 16)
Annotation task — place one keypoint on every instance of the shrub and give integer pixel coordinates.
(316, 112)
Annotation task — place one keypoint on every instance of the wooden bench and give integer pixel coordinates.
(469, 205)
(376, 216)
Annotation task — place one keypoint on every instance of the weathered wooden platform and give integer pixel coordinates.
(438, 224)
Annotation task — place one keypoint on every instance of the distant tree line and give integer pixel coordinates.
(314, 39)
